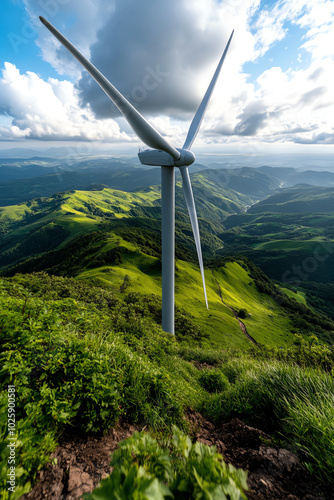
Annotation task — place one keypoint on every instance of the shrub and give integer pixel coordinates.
(143, 469)
(242, 313)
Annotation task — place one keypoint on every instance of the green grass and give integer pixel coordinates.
(298, 402)
(218, 321)
(299, 296)
(268, 322)
(81, 358)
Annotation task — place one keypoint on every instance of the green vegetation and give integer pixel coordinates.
(80, 333)
(288, 235)
(319, 295)
(81, 357)
(298, 254)
(294, 294)
(299, 199)
(297, 402)
(143, 469)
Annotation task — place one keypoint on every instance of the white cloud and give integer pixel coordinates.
(316, 16)
(162, 55)
(291, 106)
(296, 106)
(85, 18)
(49, 110)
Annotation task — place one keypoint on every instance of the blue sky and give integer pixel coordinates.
(286, 54)
(17, 36)
(275, 88)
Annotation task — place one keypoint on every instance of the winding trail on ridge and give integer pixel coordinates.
(241, 323)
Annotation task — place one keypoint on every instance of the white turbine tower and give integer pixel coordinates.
(165, 155)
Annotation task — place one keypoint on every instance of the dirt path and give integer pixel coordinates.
(241, 323)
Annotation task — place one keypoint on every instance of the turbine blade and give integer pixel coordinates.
(197, 120)
(189, 197)
(141, 127)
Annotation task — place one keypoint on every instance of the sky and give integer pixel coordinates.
(275, 92)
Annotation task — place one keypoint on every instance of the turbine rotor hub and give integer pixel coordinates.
(187, 158)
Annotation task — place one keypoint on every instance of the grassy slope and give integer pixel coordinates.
(304, 246)
(80, 212)
(297, 295)
(268, 323)
(300, 199)
(76, 206)
(72, 214)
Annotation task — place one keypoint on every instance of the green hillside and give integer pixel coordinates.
(289, 235)
(304, 246)
(140, 273)
(299, 199)
(80, 334)
(44, 224)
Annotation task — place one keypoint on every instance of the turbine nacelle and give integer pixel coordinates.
(158, 158)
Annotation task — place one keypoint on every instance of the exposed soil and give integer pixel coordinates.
(274, 474)
(79, 463)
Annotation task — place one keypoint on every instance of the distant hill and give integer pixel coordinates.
(290, 236)
(248, 181)
(290, 176)
(44, 224)
(23, 180)
(299, 199)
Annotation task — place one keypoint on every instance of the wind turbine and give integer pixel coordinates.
(165, 155)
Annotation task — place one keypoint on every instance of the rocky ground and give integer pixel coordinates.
(79, 463)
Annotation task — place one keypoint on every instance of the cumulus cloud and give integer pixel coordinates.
(129, 40)
(315, 16)
(161, 55)
(49, 110)
(295, 106)
(175, 41)
(281, 106)
(84, 17)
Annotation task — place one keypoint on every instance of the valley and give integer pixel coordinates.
(80, 267)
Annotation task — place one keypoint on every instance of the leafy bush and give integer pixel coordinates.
(71, 366)
(145, 470)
